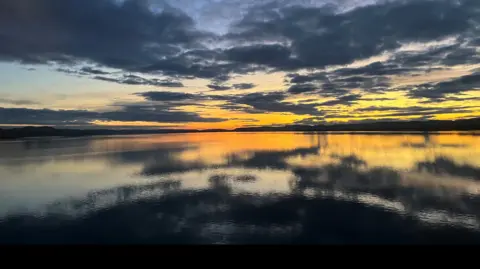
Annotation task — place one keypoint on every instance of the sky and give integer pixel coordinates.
(200, 64)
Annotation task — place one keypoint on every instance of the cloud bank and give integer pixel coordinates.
(166, 44)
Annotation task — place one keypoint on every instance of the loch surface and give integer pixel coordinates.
(242, 188)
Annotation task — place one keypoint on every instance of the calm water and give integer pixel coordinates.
(233, 188)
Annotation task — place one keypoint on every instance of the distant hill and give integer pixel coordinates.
(25, 132)
(394, 126)
(400, 126)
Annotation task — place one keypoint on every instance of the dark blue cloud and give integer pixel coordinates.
(269, 55)
(244, 86)
(137, 80)
(440, 90)
(321, 36)
(272, 102)
(302, 88)
(238, 86)
(167, 96)
(219, 87)
(145, 113)
(129, 36)
(126, 36)
(93, 71)
(343, 100)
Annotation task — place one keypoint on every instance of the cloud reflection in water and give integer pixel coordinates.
(245, 188)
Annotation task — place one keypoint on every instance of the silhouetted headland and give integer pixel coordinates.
(395, 126)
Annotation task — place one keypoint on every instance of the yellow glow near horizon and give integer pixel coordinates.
(116, 95)
(132, 124)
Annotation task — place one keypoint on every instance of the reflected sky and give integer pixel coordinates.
(242, 188)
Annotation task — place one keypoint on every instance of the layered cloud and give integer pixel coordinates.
(337, 57)
(140, 113)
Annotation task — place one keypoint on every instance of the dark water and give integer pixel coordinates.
(230, 188)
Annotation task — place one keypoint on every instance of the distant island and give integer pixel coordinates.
(392, 126)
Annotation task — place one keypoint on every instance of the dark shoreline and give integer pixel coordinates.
(400, 127)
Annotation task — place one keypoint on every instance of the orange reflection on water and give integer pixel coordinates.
(55, 168)
(400, 151)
